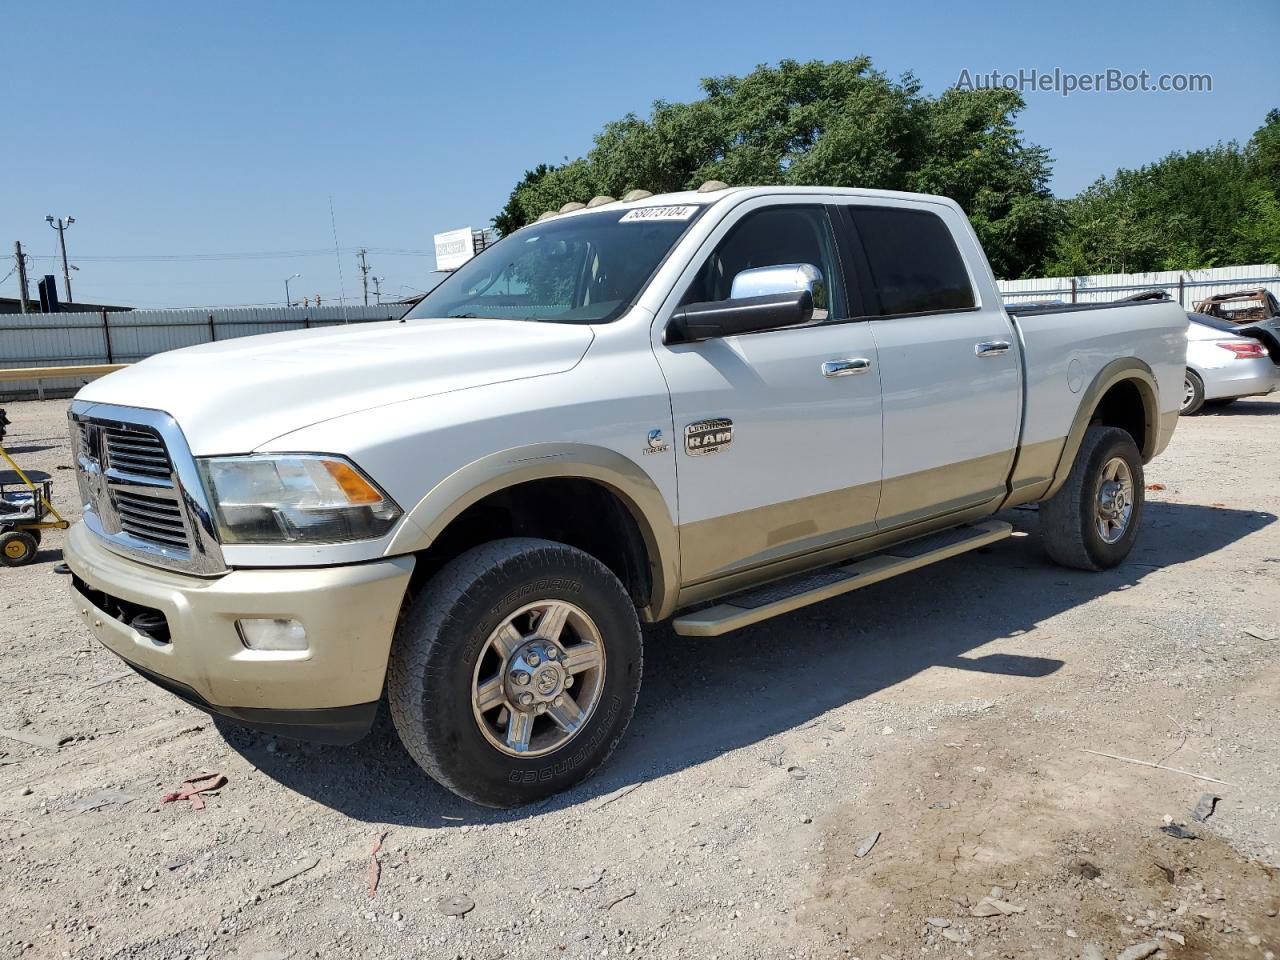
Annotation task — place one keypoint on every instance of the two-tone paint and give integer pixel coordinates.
(949, 416)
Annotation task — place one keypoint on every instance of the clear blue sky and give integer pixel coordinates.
(178, 129)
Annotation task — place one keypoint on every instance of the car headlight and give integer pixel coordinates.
(295, 498)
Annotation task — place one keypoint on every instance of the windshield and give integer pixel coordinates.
(583, 269)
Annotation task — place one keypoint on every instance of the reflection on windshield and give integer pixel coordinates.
(587, 268)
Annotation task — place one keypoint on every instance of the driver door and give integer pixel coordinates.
(778, 435)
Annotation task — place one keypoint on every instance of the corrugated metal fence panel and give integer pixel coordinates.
(1189, 285)
(75, 339)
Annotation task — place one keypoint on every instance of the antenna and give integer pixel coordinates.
(337, 255)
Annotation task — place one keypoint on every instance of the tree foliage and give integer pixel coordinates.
(847, 124)
(1204, 208)
(838, 124)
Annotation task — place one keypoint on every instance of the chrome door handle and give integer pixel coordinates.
(991, 348)
(846, 368)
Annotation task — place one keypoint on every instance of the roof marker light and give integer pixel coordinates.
(572, 205)
(711, 186)
(633, 195)
(599, 201)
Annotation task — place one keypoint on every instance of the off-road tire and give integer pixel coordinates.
(17, 548)
(1068, 520)
(447, 627)
(1195, 386)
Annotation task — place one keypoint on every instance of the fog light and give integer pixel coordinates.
(272, 634)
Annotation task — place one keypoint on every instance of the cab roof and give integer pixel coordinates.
(706, 197)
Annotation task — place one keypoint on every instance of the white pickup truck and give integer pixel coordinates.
(714, 406)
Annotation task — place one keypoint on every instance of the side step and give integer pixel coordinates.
(752, 606)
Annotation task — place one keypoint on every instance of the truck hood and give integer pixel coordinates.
(235, 395)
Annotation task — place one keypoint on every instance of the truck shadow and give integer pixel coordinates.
(1254, 408)
(704, 697)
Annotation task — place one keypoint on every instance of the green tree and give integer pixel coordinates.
(1202, 208)
(839, 124)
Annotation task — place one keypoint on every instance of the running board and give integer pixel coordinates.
(752, 606)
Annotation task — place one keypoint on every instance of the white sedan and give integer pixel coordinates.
(1224, 365)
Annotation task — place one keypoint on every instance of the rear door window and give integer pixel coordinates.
(913, 260)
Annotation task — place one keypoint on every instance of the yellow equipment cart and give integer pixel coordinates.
(26, 503)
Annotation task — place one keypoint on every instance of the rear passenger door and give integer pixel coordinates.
(948, 362)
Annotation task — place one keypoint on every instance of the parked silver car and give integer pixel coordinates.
(1226, 361)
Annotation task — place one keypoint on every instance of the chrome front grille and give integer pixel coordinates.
(140, 488)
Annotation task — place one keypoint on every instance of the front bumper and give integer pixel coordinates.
(328, 692)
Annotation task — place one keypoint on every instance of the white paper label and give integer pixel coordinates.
(640, 214)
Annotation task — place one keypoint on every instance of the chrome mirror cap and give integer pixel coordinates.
(780, 278)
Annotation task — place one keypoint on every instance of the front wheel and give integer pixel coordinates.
(516, 671)
(1092, 522)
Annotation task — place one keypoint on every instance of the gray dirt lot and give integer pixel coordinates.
(947, 711)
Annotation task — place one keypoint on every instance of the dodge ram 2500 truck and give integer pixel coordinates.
(714, 406)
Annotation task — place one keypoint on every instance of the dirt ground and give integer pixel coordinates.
(945, 716)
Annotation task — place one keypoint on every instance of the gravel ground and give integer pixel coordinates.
(899, 772)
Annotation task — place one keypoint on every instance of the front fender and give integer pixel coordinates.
(444, 502)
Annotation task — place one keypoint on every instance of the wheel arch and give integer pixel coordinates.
(1123, 394)
(516, 473)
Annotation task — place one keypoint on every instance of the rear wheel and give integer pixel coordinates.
(17, 548)
(1192, 393)
(516, 671)
(1093, 521)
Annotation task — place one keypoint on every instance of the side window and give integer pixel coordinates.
(913, 260)
(769, 237)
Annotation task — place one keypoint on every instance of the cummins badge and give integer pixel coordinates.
(707, 436)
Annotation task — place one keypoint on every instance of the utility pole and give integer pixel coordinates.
(61, 226)
(377, 289)
(22, 274)
(362, 253)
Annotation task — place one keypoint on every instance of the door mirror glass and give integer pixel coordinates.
(779, 278)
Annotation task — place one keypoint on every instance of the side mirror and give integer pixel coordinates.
(727, 318)
(779, 278)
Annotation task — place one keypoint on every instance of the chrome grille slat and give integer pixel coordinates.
(148, 532)
(134, 501)
(146, 456)
(170, 521)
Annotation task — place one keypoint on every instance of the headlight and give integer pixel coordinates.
(303, 498)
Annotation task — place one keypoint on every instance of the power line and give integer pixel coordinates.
(250, 255)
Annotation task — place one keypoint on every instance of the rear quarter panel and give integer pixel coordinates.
(1064, 353)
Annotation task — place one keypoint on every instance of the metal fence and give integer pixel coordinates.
(79, 339)
(1185, 286)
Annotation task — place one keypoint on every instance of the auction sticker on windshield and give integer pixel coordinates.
(681, 212)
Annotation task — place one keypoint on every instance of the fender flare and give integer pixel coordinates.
(1117, 371)
(633, 487)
